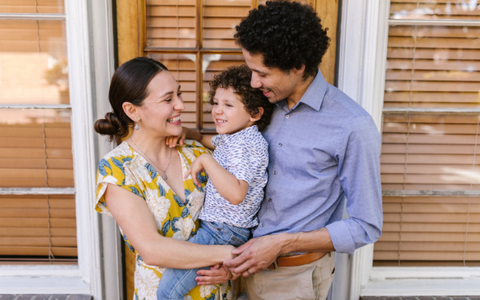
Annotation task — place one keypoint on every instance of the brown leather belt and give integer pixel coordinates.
(297, 260)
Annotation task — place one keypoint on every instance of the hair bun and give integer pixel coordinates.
(111, 125)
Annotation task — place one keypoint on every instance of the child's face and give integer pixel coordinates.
(229, 112)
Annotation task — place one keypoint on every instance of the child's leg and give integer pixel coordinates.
(175, 283)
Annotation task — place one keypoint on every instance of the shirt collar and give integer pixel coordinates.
(240, 134)
(313, 96)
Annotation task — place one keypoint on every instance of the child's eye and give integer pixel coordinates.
(228, 105)
(215, 103)
(179, 94)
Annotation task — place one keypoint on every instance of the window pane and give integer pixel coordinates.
(219, 21)
(33, 62)
(430, 152)
(438, 9)
(430, 67)
(182, 67)
(214, 64)
(433, 66)
(35, 148)
(32, 6)
(429, 231)
(171, 23)
(38, 229)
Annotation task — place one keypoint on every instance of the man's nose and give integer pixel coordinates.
(255, 82)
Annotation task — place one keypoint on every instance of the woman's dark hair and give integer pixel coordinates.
(129, 84)
(287, 34)
(239, 77)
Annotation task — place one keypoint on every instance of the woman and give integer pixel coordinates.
(141, 182)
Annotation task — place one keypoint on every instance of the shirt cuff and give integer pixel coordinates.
(341, 238)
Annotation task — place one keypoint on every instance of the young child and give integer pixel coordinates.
(236, 170)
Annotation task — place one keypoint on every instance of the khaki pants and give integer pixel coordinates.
(311, 281)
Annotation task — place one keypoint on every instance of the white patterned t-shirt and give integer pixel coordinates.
(245, 155)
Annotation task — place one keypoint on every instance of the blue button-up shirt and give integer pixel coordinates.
(324, 150)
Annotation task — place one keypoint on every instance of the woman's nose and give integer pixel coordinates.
(179, 105)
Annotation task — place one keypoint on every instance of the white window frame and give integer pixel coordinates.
(89, 33)
(362, 59)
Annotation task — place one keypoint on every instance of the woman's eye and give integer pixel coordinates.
(215, 103)
(179, 94)
(168, 100)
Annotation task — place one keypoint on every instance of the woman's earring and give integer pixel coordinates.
(136, 126)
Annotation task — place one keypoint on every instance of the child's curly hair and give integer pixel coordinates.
(239, 77)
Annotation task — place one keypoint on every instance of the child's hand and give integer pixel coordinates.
(172, 141)
(195, 168)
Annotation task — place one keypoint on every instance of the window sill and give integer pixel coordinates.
(427, 281)
(42, 280)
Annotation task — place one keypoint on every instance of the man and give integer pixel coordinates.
(324, 149)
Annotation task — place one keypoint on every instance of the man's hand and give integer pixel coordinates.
(217, 274)
(255, 256)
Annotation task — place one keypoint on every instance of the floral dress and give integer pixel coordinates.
(174, 218)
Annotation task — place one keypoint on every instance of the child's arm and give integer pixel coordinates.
(192, 134)
(227, 185)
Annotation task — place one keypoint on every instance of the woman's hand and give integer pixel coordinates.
(172, 141)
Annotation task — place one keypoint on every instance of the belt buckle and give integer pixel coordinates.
(275, 264)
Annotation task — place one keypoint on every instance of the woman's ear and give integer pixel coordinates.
(131, 111)
(257, 116)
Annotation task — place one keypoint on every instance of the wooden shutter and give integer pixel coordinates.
(430, 162)
(171, 23)
(214, 64)
(219, 21)
(37, 221)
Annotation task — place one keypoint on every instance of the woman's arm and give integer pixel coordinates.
(227, 185)
(136, 220)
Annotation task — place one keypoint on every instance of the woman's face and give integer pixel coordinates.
(160, 111)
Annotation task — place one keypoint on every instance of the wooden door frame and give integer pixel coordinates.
(131, 43)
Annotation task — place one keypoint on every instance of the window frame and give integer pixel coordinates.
(85, 75)
(362, 77)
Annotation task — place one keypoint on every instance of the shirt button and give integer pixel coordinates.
(274, 172)
(287, 116)
(269, 200)
(280, 144)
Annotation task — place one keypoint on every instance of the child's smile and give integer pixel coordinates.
(229, 112)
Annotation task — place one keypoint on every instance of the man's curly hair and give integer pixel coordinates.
(287, 34)
(239, 77)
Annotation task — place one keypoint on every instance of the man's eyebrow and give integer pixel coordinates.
(257, 71)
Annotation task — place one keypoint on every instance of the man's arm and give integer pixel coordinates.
(259, 253)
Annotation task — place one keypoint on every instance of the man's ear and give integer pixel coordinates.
(131, 111)
(299, 71)
(257, 116)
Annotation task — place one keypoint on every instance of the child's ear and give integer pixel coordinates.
(257, 116)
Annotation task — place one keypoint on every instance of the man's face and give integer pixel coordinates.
(275, 83)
